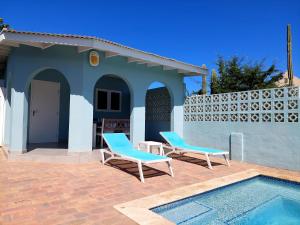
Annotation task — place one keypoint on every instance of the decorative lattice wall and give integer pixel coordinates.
(158, 105)
(265, 106)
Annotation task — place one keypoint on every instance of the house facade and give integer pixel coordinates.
(284, 81)
(58, 86)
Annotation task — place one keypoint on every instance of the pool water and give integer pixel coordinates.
(257, 201)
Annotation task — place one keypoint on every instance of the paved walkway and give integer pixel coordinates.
(41, 193)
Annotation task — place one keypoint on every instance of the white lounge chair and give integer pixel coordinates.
(178, 145)
(120, 148)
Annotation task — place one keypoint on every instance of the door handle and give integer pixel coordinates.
(34, 112)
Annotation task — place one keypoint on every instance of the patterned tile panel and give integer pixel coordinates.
(158, 105)
(279, 105)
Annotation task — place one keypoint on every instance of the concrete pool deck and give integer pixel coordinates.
(53, 193)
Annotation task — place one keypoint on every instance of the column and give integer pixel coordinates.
(80, 124)
(177, 120)
(19, 109)
(137, 125)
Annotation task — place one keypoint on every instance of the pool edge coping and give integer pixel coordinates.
(139, 211)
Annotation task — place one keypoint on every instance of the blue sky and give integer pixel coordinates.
(191, 31)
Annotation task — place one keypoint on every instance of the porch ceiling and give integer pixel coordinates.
(12, 38)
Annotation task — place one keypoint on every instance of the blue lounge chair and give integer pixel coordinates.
(120, 148)
(178, 145)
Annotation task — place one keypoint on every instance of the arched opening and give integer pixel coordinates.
(48, 111)
(158, 111)
(112, 108)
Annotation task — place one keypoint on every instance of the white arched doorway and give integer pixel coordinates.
(48, 111)
(112, 107)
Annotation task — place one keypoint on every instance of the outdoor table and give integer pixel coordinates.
(148, 145)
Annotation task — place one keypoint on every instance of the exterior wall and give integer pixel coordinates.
(25, 62)
(259, 126)
(138, 78)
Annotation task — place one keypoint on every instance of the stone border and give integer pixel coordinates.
(139, 210)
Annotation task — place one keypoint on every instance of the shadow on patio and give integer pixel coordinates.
(197, 161)
(132, 169)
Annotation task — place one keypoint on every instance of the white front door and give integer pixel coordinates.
(44, 111)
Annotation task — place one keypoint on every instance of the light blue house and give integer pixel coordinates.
(57, 86)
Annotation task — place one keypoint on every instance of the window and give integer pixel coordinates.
(115, 98)
(108, 100)
(102, 100)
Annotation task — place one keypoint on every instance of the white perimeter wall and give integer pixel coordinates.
(260, 126)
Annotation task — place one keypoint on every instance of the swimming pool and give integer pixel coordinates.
(258, 200)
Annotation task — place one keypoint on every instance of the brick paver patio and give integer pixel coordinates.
(44, 193)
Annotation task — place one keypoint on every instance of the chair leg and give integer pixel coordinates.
(161, 150)
(148, 148)
(101, 141)
(102, 156)
(170, 168)
(208, 161)
(227, 161)
(140, 166)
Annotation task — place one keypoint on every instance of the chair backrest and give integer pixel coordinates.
(117, 141)
(172, 138)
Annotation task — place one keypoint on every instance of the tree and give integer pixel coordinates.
(235, 75)
(3, 25)
(214, 82)
(200, 92)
